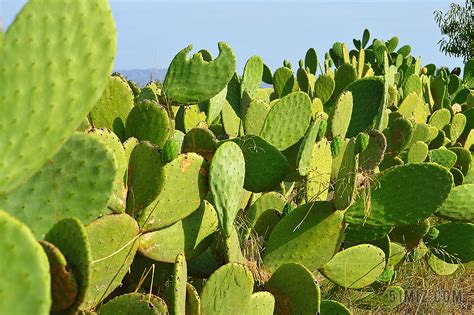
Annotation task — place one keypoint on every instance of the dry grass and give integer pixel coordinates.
(425, 292)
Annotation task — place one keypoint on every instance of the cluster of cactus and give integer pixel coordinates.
(210, 194)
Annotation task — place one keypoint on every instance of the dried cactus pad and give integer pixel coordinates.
(191, 81)
(59, 54)
(395, 203)
(76, 182)
(25, 285)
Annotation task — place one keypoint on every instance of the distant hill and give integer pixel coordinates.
(143, 76)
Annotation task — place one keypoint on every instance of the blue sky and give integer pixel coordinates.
(151, 32)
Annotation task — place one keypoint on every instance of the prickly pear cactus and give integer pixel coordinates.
(57, 191)
(226, 180)
(25, 270)
(187, 80)
(134, 304)
(66, 75)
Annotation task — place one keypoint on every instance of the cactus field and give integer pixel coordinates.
(218, 192)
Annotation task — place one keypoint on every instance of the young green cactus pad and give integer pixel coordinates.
(440, 267)
(227, 291)
(113, 107)
(63, 282)
(324, 87)
(265, 166)
(113, 241)
(189, 236)
(393, 203)
(193, 301)
(455, 242)
(458, 205)
(145, 179)
(118, 201)
(64, 92)
(188, 80)
(440, 118)
(134, 304)
(184, 187)
(341, 115)
(368, 98)
(283, 81)
(70, 237)
(226, 180)
(25, 270)
(176, 292)
(418, 152)
(443, 156)
(149, 121)
(355, 267)
(254, 117)
(45, 199)
(260, 303)
(295, 289)
(252, 76)
(345, 186)
(319, 174)
(215, 105)
(287, 120)
(329, 307)
(305, 152)
(309, 235)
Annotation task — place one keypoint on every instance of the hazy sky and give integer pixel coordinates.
(151, 32)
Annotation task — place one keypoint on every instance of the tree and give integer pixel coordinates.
(457, 28)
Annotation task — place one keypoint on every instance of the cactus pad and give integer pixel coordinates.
(295, 289)
(226, 180)
(355, 267)
(455, 242)
(187, 80)
(458, 205)
(25, 270)
(64, 72)
(134, 304)
(393, 203)
(309, 235)
(287, 120)
(57, 191)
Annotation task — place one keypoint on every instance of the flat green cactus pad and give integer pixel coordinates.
(459, 204)
(215, 105)
(176, 292)
(443, 156)
(25, 270)
(63, 72)
(261, 303)
(113, 241)
(227, 291)
(341, 115)
(319, 175)
(190, 236)
(329, 307)
(295, 289)
(254, 117)
(113, 107)
(226, 180)
(188, 80)
(63, 282)
(305, 152)
(355, 267)
(265, 166)
(149, 121)
(455, 242)
(134, 304)
(365, 233)
(283, 81)
(145, 179)
(193, 301)
(112, 142)
(56, 191)
(393, 203)
(410, 235)
(201, 141)
(184, 187)
(373, 154)
(287, 121)
(70, 237)
(309, 235)
(324, 87)
(345, 186)
(368, 97)
(440, 267)
(230, 120)
(252, 76)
